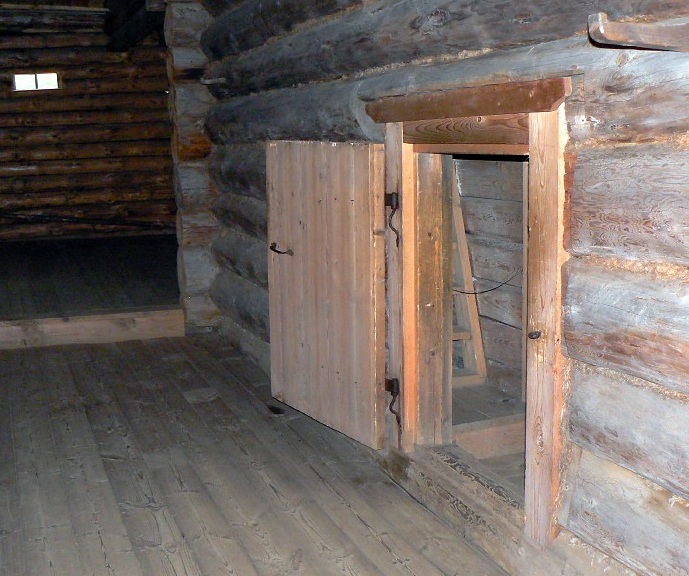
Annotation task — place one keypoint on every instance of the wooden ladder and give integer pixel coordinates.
(466, 328)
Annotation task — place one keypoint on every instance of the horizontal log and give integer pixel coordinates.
(496, 260)
(84, 102)
(638, 523)
(61, 58)
(505, 129)
(146, 211)
(248, 214)
(200, 313)
(487, 178)
(632, 322)
(55, 167)
(17, 19)
(96, 86)
(84, 134)
(502, 343)
(75, 182)
(396, 31)
(240, 169)
(37, 41)
(630, 435)
(66, 230)
(196, 269)
(503, 304)
(189, 144)
(79, 118)
(248, 343)
(493, 218)
(243, 301)
(189, 104)
(631, 203)
(80, 152)
(194, 190)
(250, 23)
(491, 438)
(97, 71)
(10, 201)
(244, 255)
(195, 229)
(654, 35)
(623, 102)
(185, 65)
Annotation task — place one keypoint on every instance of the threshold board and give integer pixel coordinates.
(91, 329)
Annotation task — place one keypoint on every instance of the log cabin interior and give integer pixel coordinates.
(309, 287)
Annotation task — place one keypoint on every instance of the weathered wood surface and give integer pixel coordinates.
(631, 203)
(185, 22)
(512, 98)
(646, 435)
(503, 304)
(250, 24)
(17, 18)
(243, 212)
(81, 134)
(487, 178)
(493, 218)
(95, 329)
(496, 129)
(89, 134)
(502, 343)
(243, 301)
(196, 268)
(240, 169)
(54, 40)
(201, 477)
(464, 493)
(243, 254)
(372, 36)
(491, 438)
(654, 36)
(189, 104)
(194, 190)
(630, 321)
(196, 228)
(496, 260)
(336, 110)
(635, 521)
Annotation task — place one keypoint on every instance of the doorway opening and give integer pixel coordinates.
(488, 373)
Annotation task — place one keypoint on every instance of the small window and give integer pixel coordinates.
(46, 81)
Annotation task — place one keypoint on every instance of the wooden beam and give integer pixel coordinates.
(501, 129)
(510, 98)
(653, 36)
(95, 329)
(478, 149)
(545, 363)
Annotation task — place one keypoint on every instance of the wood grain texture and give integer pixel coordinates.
(508, 129)
(488, 178)
(635, 521)
(653, 36)
(631, 437)
(91, 329)
(326, 207)
(628, 321)
(631, 203)
(502, 343)
(387, 32)
(544, 360)
(493, 218)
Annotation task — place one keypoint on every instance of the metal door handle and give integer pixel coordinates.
(274, 248)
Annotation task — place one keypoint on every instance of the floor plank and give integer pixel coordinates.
(169, 457)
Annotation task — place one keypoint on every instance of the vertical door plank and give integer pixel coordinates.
(393, 185)
(433, 300)
(410, 310)
(545, 363)
(326, 200)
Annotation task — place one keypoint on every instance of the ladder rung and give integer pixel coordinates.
(461, 335)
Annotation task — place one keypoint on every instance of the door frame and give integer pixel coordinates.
(525, 118)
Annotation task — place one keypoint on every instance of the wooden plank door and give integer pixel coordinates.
(327, 283)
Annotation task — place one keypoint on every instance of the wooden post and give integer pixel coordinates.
(545, 362)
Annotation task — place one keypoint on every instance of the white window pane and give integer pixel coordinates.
(47, 81)
(24, 81)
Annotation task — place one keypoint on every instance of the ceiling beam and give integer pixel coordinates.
(673, 36)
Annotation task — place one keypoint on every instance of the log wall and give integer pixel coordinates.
(92, 158)
(627, 283)
(195, 192)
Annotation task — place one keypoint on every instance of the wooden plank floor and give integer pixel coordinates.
(167, 457)
(61, 278)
